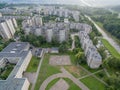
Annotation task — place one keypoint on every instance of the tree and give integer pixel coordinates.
(63, 47)
(76, 50)
(55, 42)
(77, 42)
(80, 57)
(113, 63)
(113, 82)
(102, 52)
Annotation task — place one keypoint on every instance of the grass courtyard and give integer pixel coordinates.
(92, 83)
(33, 65)
(48, 70)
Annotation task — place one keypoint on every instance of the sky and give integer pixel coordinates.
(76, 2)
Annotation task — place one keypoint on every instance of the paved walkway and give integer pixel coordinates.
(64, 74)
(105, 35)
(90, 74)
(93, 75)
(106, 72)
(37, 73)
(30, 76)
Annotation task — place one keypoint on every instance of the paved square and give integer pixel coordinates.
(60, 60)
(60, 85)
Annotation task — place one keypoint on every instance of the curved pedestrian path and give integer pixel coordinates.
(64, 74)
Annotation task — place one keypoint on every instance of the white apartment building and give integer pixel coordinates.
(11, 27)
(76, 16)
(49, 35)
(94, 60)
(37, 21)
(62, 35)
(7, 28)
(5, 31)
(38, 31)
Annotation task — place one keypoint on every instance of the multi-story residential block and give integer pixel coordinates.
(94, 60)
(4, 31)
(7, 28)
(76, 16)
(37, 21)
(62, 35)
(14, 22)
(49, 35)
(11, 26)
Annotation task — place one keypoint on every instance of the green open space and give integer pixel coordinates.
(110, 48)
(72, 85)
(93, 84)
(102, 75)
(33, 65)
(52, 83)
(89, 69)
(76, 71)
(46, 71)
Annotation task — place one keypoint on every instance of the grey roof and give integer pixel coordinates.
(15, 47)
(12, 83)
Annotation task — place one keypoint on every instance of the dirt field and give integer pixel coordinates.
(59, 60)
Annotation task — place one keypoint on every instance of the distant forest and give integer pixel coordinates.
(109, 21)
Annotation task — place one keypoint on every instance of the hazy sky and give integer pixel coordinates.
(78, 2)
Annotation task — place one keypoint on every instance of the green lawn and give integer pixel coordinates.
(46, 71)
(89, 69)
(110, 48)
(93, 84)
(75, 71)
(102, 75)
(33, 65)
(52, 83)
(72, 85)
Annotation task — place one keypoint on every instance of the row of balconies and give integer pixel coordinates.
(94, 60)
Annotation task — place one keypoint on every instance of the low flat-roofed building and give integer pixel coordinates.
(54, 50)
(39, 52)
(19, 54)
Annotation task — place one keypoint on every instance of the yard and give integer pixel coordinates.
(93, 84)
(52, 83)
(71, 84)
(46, 71)
(33, 65)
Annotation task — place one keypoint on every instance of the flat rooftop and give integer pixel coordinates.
(18, 50)
(15, 47)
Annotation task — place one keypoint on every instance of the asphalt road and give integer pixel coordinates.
(105, 36)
